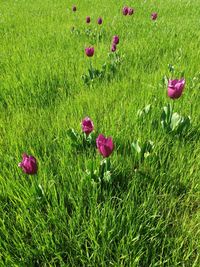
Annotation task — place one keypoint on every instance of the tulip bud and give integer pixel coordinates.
(87, 19)
(175, 88)
(87, 125)
(28, 164)
(113, 48)
(89, 51)
(154, 16)
(115, 39)
(105, 145)
(125, 10)
(130, 11)
(74, 8)
(99, 21)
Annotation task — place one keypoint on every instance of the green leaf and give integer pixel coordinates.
(175, 121)
(184, 124)
(147, 109)
(73, 135)
(136, 147)
(107, 176)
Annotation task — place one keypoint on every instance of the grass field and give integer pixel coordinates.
(148, 214)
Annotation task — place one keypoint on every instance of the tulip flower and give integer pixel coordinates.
(74, 8)
(154, 16)
(87, 125)
(89, 51)
(88, 19)
(115, 39)
(125, 10)
(175, 88)
(28, 164)
(130, 11)
(99, 21)
(113, 48)
(105, 145)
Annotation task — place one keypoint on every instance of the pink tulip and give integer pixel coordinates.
(113, 48)
(175, 88)
(154, 16)
(89, 51)
(87, 125)
(28, 164)
(99, 21)
(115, 39)
(130, 11)
(74, 8)
(125, 10)
(88, 19)
(105, 145)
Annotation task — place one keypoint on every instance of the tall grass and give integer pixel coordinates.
(149, 215)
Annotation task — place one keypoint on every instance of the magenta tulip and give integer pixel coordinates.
(88, 19)
(99, 21)
(105, 145)
(154, 16)
(125, 10)
(130, 11)
(175, 88)
(113, 48)
(28, 164)
(89, 51)
(87, 125)
(74, 8)
(115, 39)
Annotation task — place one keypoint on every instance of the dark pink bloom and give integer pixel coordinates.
(105, 145)
(130, 11)
(89, 51)
(114, 47)
(154, 16)
(125, 10)
(175, 88)
(115, 39)
(74, 8)
(28, 164)
(99, 21)
(87, 125)
(88, 19)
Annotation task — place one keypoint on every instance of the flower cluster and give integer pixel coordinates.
(105, 145)
(99, 20)
(115, 42)
(128, 11)
(125, 11)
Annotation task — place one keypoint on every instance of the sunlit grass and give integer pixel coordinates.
(149, 215)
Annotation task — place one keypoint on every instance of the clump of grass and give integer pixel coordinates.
(149, 214)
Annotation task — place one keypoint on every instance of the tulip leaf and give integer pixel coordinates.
(147, 147)
(146, 110)
(166, 116)
(165, 80)
(73, 135)
(171, 68)
(175, 121)
(184, 124)
(107, 176)
(136, 147)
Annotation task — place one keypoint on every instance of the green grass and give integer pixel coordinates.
(147, 216)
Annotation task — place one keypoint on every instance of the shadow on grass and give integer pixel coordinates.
(192, 136)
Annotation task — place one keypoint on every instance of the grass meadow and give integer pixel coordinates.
(148, 214)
